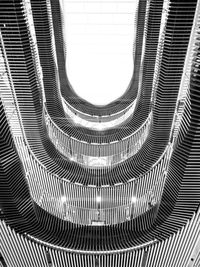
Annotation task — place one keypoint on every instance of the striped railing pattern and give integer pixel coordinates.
(56, 116)
(173, 251)
(45, 199)
(97, 154)
(130, 164)
(81, 108)
(77, 203)
(24, 250)
(84, 173)
(99, 123)
(89, 205)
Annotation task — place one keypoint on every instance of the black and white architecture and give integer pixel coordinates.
(84, 185)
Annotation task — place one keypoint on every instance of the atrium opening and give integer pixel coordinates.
(99, 37)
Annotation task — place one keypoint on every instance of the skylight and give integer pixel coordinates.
(99, 39)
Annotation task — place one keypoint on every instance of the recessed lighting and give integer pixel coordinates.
(98, 199)
(133, 199)
(63, 199)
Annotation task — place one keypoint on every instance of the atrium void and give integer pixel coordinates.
(99, 51)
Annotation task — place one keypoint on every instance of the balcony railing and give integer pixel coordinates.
(90, 204)
(98, 123)
(97, 154)
(86, 204)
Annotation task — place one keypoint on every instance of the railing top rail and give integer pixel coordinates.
(91, 252)
(98, 144)
(99, 116)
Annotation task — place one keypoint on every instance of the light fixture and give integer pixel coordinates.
(63, 199)
(98, 199)
(76, 119)
(133, 199)
(100, 126)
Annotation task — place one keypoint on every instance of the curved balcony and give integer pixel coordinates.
(172, 239)
(97, 154)
(91, 205)
(186, 237)
(99, 123)
(141, 193)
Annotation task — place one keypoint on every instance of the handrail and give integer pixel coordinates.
(57, 202)
(128, 136)
(35, 183)
(97, 154)
(38, 197)
(99, 123)
(137, 185)
(91, 252)
(160, 46)
(95, 122)
(38, 187)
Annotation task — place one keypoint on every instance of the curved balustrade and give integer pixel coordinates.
(89, 204)
(112, 204)
(93, 205)
(86, 204)
(186, 237)
(98, 123)
(97, 154)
